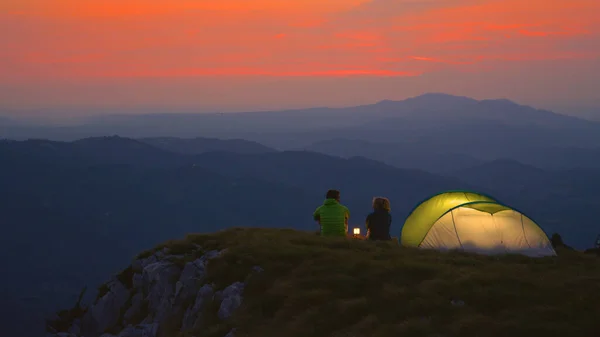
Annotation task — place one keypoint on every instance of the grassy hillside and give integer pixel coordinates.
(312, 286)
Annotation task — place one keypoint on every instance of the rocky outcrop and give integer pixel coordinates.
(159, 295)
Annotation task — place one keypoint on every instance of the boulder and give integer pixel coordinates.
(231, 299)
(139, 265)
(137, 281)
(192, 318)
(105, 313)
(159, 283)
(135, 308)
(193, 276)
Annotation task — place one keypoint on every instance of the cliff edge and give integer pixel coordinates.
(269, 282)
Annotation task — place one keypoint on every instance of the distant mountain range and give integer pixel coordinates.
(434, 132)
(396, 154)
(62, 202)
(442, 159)
(425, 112)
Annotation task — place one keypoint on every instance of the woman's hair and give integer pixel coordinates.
(381, 203)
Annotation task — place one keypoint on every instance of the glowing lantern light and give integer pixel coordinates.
(357, 231)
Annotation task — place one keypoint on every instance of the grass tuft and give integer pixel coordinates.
(126, 277)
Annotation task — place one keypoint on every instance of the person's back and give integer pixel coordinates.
(332, 216)
(379, 221)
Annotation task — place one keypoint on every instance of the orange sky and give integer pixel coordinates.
(319, 52)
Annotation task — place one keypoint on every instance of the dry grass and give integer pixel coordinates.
(313, 286)
(316, 287)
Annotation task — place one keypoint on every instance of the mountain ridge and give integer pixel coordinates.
(428, 101)
(200, 145)
(56, 201)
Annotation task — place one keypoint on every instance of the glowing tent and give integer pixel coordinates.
(473, 222)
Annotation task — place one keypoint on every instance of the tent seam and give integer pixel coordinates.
(523, 229)
(455, 230)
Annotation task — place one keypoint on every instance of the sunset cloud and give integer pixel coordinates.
(79, 40)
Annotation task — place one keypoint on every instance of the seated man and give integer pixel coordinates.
(332, 216)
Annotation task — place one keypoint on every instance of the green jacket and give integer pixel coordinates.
(332, 216)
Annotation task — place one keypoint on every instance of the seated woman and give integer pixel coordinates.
(380, 220)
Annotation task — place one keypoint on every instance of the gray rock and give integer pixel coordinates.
(257, 269)
(212, 254)
(172, 258)
(159, 281)
(105, 313)
(169, 293)
(142, 330)
(231, 333)
(231, 299)
(135, 309)
(190, 280)
(192, 318)
(137, 281)
(139, 265)
(193, 275)
(188, 290)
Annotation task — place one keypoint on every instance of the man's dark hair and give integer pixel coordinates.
(333, 194)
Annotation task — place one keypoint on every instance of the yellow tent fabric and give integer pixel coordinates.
(448, 221)
(421, 219)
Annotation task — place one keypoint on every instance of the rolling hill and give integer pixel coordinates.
(396, 154)
(445, 123)
(200, 145)
(503, 175)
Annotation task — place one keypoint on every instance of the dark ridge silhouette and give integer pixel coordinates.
(200, 145)
(93, 151)
(300, 127)
(512, 174)
(396, 154)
